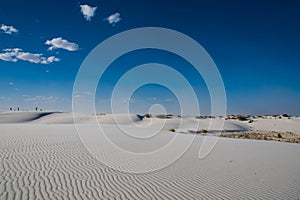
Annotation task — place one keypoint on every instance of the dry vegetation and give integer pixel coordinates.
(147, 115)
(171, 129)
(163, 116)
(197, 131)
(205, 117)
(265, 135)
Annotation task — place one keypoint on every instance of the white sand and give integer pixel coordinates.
(280, 125)
(43, 157)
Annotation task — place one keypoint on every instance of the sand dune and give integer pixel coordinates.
(44, 158)
(280, 125)
(180, 124)
(21, 117)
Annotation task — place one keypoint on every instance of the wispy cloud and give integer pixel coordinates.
(11, 83)
(88, 11)
(113, 19)
(43, 101)
(8, 29)
(60, 43)
(5, 98)
(15, 54)
(40, 98)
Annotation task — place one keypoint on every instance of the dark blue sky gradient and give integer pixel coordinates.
(255, 45)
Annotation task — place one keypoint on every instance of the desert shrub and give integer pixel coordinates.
(193, 131)
(162, 116)
(147, 115)
(171, 129)
(241, 118)
(258, 137)
(250, 121)
(285, 115)
(199, 117)
(197, 131)
(203, 130)
(279, 135)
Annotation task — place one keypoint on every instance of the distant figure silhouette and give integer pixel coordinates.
(18, 109)
(36, 108)
(10, 109)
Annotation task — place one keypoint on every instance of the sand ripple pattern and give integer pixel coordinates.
(49, 162)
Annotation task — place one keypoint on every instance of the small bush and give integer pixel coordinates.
(241, 118)
(161, 116)
(279, 135)
(171, 129)
(197, 131)
(204, 130)
(147, 115)
(285, 115)
(250, 121)
(199, 117)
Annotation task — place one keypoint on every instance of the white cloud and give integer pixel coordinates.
(49, 60)
(15, 54)
(9, 54)
(88, 11)
(60, 43)
(34, 58)
(113, 19)
(5, 98)
(11, 83)
(39, 99)
(77, 96)
(8, 29)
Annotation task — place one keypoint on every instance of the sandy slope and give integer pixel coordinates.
(187, 123)
(21, 117)
(49, 161)
(280, 125)
(43, 157)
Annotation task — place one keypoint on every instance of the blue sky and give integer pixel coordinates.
(255, 45)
